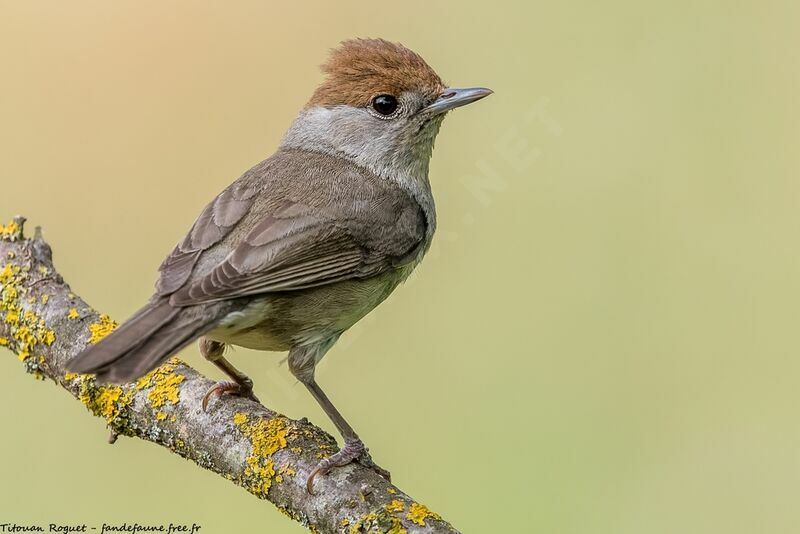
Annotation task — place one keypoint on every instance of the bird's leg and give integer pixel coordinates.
(241, 386)
(353, 449)
(302, 362)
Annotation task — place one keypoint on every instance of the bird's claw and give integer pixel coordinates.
(228, 388)
(353, 450)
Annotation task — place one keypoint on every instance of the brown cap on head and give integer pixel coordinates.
(361, 69)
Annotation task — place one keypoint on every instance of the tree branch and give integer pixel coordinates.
(266, 453)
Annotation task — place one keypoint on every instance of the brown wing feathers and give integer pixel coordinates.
(279, 254)
(213, 224)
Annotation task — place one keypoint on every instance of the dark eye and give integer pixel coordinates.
(384, 104)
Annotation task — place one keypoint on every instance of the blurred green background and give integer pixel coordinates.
(604, 336)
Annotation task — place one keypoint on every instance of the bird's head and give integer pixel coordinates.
(380, 105)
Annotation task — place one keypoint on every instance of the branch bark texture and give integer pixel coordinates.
(264, 452)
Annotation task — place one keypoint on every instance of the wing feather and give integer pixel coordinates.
(281, 255)
(214, 223)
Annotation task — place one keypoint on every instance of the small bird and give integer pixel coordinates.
(307, 242)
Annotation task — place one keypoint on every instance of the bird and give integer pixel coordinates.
(306, 243)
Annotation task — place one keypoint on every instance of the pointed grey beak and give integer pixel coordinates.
(452, 98)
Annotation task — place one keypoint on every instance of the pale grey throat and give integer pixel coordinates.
(397, 150)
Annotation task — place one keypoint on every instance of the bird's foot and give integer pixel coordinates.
(353, 450)
(229, 388)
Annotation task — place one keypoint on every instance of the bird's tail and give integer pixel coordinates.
(145, 341)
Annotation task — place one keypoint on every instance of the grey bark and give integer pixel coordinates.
(266, 453)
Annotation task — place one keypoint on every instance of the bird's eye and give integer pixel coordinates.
(384, 104)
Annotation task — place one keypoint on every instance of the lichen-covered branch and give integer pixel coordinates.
(266, 453)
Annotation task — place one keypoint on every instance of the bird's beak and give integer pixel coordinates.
(452, 98)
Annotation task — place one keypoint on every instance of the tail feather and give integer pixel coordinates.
(145, 341)
(131, 333)
(153, 352)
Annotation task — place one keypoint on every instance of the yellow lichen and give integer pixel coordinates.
(24, 334)
(45, 298)
(363, 521)
(380, 521)
(418, 513)
(395, 506)
(26, 328)
(164, 382)
(160, 416)
(285, 471)
(267, 436)
(106, 401)
(101, 328)
(10, 293)
(12, 318)
(72, 314)
(48, 337)
(9, 230)
(288, 471)
(3, 341)
(7, 274)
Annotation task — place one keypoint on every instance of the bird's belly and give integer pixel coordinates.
(253, 339)
(279, 321)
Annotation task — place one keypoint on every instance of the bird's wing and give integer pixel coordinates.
(325, 223)
(212, 226)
